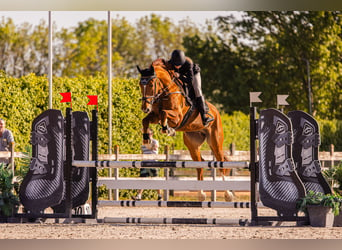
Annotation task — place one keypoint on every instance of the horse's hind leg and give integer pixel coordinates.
(215, 141)
(193, 141)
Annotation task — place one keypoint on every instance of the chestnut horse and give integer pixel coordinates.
(164, 101)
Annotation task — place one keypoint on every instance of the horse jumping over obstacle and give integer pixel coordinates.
(164, 102)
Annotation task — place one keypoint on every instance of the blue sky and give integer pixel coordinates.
(71, 18)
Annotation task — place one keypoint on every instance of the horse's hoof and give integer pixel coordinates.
(201, 196)
(228, 196)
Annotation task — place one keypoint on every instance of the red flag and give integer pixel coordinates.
(92, 100)
(66, 97)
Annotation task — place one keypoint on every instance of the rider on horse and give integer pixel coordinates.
(189, 73)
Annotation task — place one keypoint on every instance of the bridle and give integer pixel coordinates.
(156, 96)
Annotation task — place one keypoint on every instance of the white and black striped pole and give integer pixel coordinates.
(202, 204)
(162, 164)
(143, 220)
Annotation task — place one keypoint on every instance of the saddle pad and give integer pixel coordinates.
(80, 176)
(305, 151)
(42, 186)
(279, 185)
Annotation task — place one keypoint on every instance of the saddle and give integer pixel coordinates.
(188, 92)
(189, 95)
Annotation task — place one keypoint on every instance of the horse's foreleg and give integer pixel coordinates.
(164, 119)
(150, 118)
(145, 123)
(163, 122)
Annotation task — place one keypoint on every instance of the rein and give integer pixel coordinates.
(155, 97)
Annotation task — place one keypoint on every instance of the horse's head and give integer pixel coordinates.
(149, 88)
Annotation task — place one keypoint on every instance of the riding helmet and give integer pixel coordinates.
(177, 57)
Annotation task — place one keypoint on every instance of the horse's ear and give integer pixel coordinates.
(151, 69)
(139, 69)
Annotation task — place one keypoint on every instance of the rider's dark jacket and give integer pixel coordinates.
(186, 71)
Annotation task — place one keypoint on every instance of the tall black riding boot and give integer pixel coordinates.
(203, 109)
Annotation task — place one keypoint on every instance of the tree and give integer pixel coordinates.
(37, 59)
(83, 49)
(290, 42)
(90, 54)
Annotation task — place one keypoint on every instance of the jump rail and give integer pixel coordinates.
(204, 204)
(236, 184)
(241, 222)
(162, 164)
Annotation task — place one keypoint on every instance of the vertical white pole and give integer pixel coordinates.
(109, 83)
(116, 171)
(50, 61)
(309, 86)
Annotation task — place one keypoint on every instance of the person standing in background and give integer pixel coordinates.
(6, 140)
(151, 148)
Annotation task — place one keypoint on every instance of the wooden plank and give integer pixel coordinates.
(7, 154)
(191, 185)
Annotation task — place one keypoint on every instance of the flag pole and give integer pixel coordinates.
(109, 84)
(116, 173)
(50, 61)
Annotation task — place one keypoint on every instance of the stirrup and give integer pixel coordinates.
(206, 120)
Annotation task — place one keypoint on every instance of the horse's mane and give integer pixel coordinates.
(159, 62)
(162, 68)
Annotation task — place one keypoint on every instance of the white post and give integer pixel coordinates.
(109, 52)
(109, 83)
(50, 61)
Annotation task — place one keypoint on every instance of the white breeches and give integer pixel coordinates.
(197, 84)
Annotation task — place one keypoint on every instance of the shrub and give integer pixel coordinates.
(9, 202)
(317, 198)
